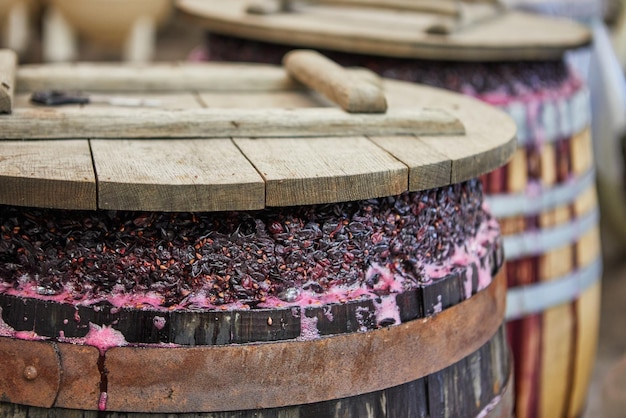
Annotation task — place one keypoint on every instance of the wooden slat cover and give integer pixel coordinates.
(182, 175)
(304, 172)
(55, 174)
(284, 153)
(429, 167)
(381, 31)
(147, 122)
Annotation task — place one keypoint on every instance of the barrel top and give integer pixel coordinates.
(220, 136)
(426, 29)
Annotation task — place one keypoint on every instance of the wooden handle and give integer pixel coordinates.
(352, 94)
(8, 64)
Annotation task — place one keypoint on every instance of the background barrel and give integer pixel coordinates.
(546, 201)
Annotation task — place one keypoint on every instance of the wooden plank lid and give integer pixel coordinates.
(428, 29)
(218, 136)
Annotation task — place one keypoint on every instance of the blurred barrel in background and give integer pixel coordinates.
(545, 197)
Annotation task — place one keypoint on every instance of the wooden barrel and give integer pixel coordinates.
(212, 254)
(545, 197)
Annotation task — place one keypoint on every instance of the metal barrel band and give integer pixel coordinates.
(541, 241)
(534, 298)
(507, 205)
(206, 379)
(557, 119)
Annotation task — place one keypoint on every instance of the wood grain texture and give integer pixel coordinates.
(559, 324)
(548, 164)
(448, 138)
(183, 175)
(376, 31)
(427, 167)
(134, 122)
(55, 174)
(8, 64)
(586, 202)
(517, 173)
(323, 169)
(153, 77)
(473, 153)
(582, 152)
(588, 313)
(352, 94)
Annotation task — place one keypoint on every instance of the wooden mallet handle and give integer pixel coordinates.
(353, 93)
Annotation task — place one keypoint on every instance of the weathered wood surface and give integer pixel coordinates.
(150, 122)
(8, 64)
(154, 77)
(381, 31)
(319, 73)
(175, 175)
(55, 174)
(554, 347)
(240, 159)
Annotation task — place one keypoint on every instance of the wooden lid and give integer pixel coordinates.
(238, 137)
(428, 29)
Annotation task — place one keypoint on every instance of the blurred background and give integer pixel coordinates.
(44, 31)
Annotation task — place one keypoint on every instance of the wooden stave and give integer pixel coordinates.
(557, 337)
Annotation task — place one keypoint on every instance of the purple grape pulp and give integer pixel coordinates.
(238, 256)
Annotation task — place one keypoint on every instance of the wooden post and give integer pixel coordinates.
(8, 63)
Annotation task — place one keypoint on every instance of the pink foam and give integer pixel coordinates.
(387, 308)
(308, 328)
(104, 337)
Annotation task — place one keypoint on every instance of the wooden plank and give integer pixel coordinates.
(428, 167)
(323, 169)
(393, 33)
(582, 152)
(588, 247)
(557, 350)
(588, 315)
(512, 225)
(529, 363)
(262, 100)
(586, 202)
(55, 174)
(556, 263)
(8, 62)
(548, 163)
(185, 175)
(517, 173)
(116, 122)
(155, 77)
(475, 153)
